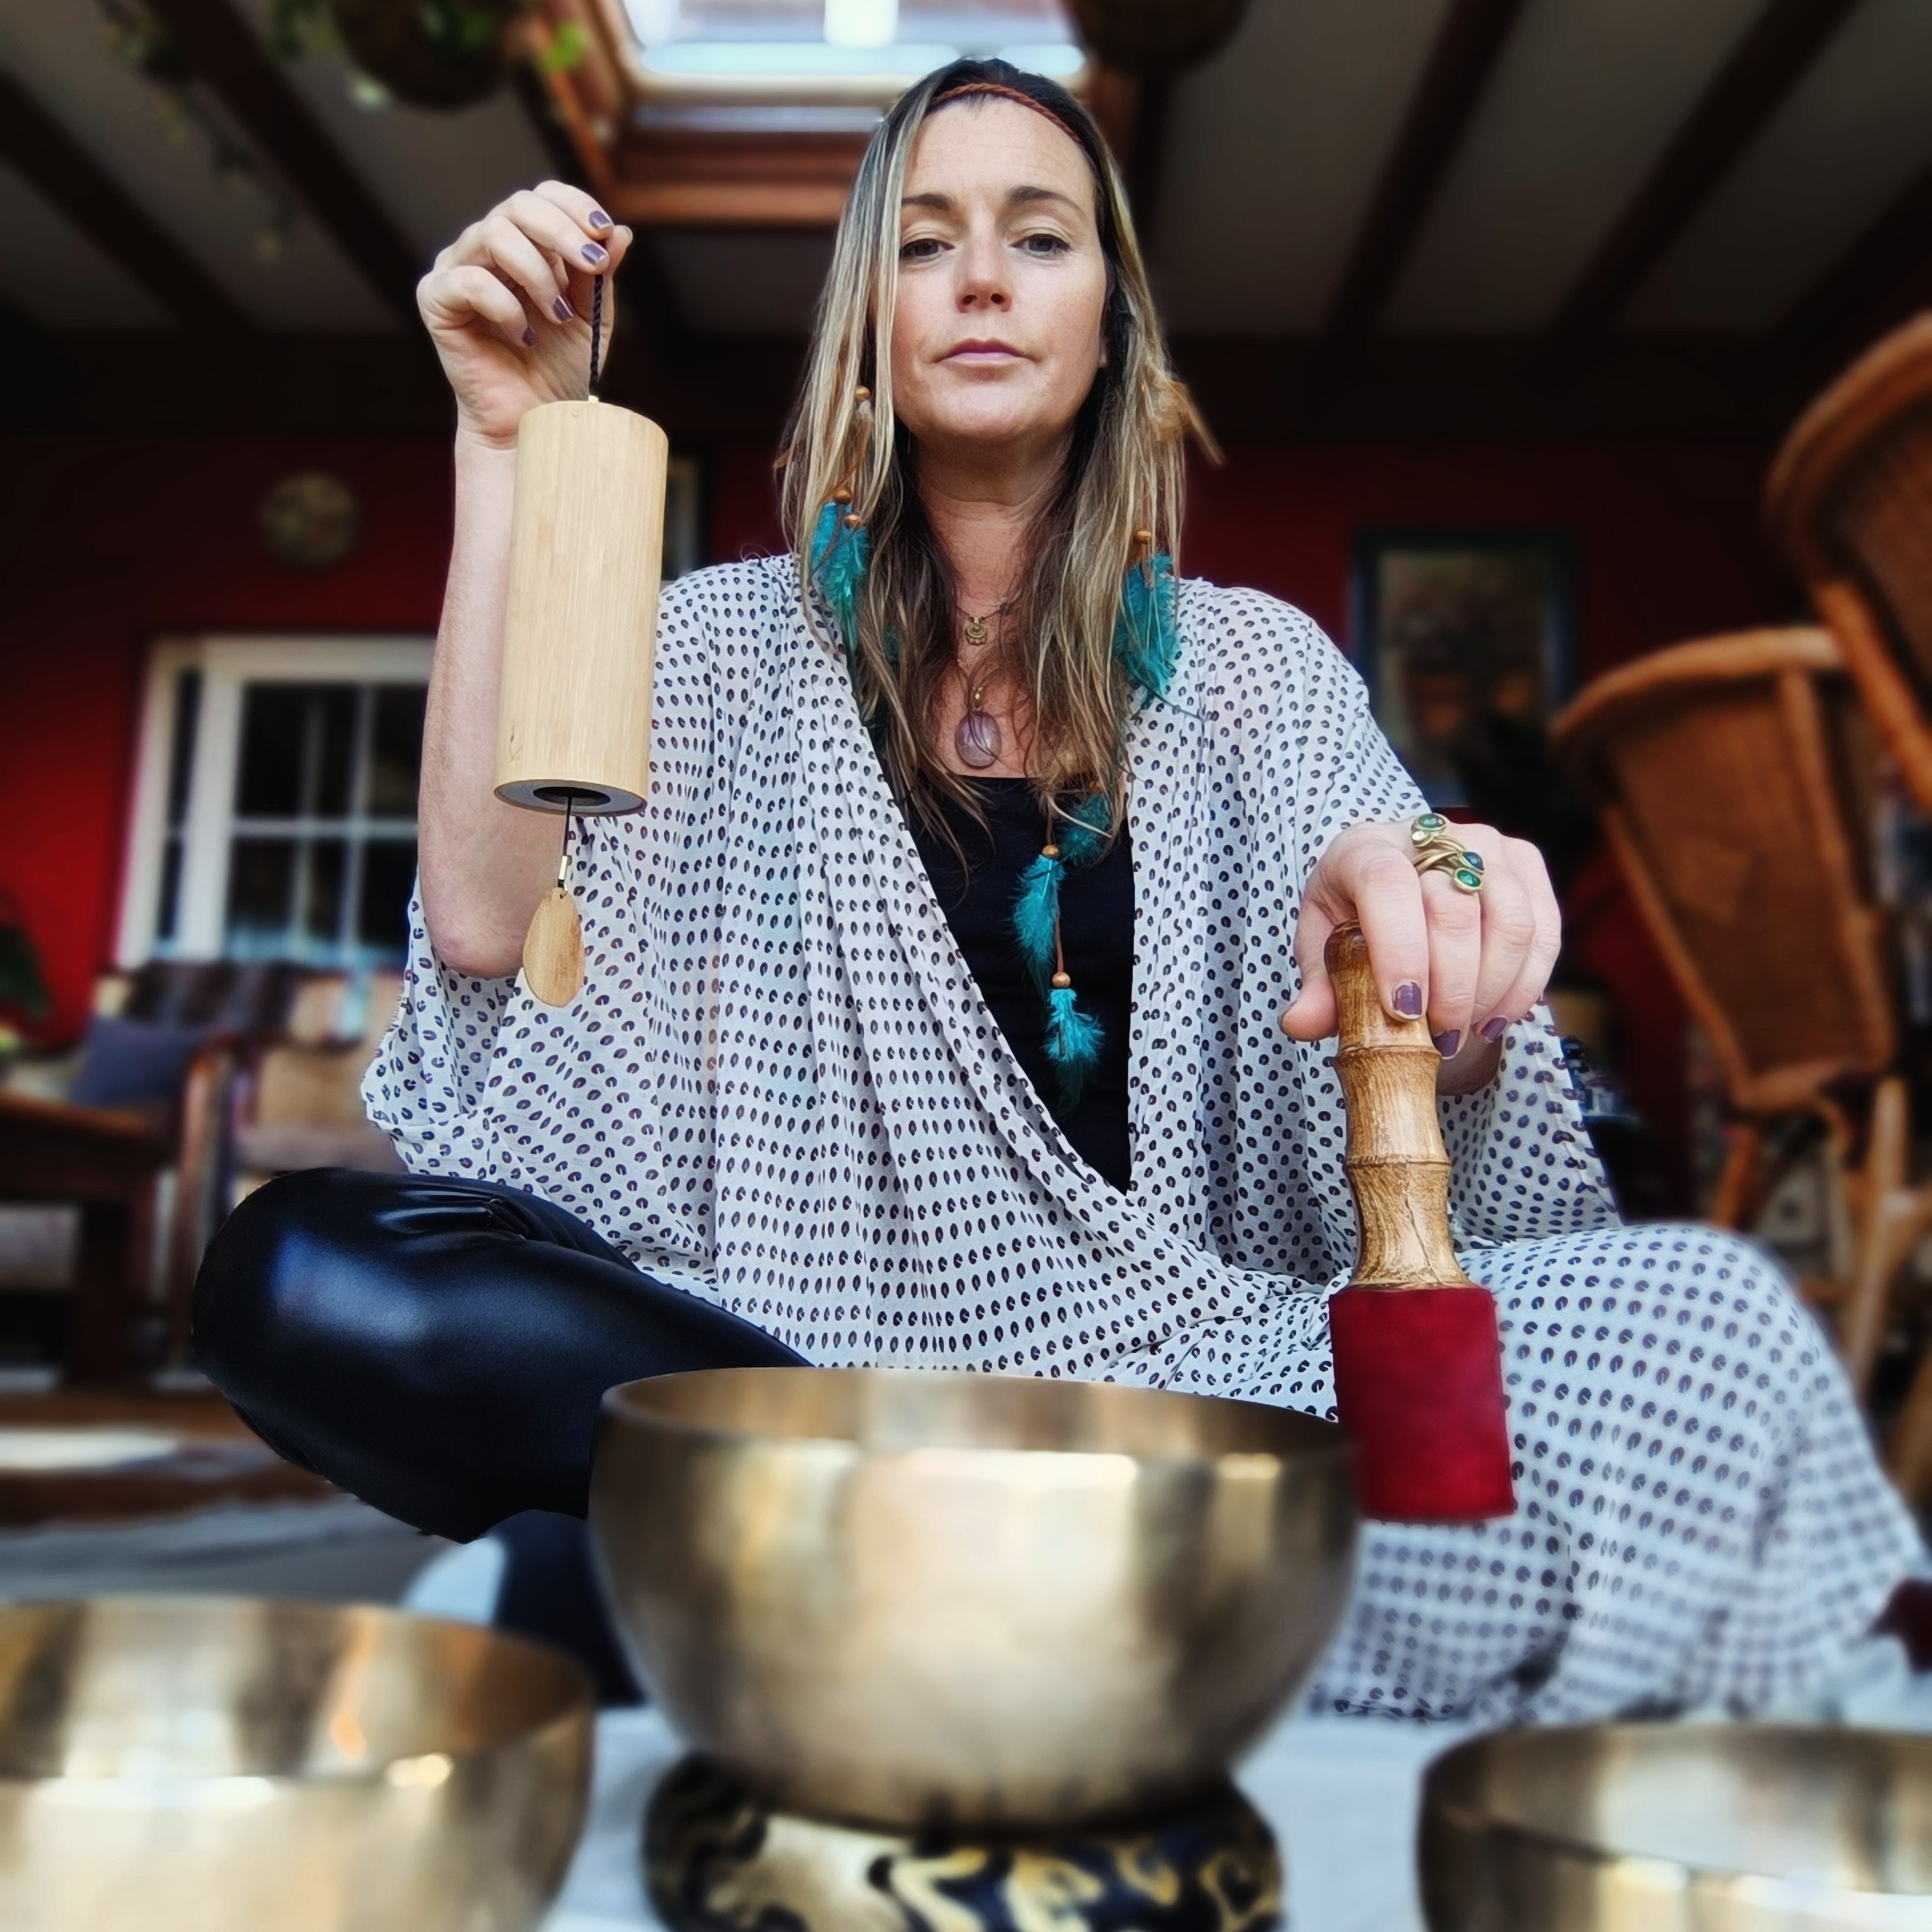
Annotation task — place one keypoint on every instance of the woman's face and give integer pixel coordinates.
(1002, 284)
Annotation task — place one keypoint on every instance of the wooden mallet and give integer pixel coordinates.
(1418, 1359)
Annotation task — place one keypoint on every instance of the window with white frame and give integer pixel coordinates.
(274, 806)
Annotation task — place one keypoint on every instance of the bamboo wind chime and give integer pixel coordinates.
(1418, 1358)
(580, 637)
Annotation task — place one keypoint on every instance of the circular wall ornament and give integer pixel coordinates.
(310, 520)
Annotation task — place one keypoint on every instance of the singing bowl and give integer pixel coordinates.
(1666, 1828)
(915, 1598)
(227, 1765)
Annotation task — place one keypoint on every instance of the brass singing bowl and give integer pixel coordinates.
(229, 1765)
(908, 1598)
(1667, 1828)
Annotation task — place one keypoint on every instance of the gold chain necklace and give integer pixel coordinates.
(979, 629)
(976, 737)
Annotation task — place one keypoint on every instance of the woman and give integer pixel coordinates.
(815, 1103)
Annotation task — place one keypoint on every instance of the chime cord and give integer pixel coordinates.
(596, 328)
(563, 857)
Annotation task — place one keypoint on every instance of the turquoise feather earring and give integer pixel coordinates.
(841, 546)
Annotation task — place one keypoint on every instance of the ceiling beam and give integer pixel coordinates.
(1464, 56)
(1885, 276)
(1775, 55)
(66, 175)
(222, 48)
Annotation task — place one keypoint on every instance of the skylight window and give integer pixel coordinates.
(802, 48)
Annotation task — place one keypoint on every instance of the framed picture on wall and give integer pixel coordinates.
(1467, 642)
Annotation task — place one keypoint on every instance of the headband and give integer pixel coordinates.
(967, 87)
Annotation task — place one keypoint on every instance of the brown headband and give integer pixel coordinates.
(967, 87)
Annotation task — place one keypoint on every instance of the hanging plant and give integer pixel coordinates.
(24, 998)
(428, 53)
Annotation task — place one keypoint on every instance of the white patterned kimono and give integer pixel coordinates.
(780, 1090)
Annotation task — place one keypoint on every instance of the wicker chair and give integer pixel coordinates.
(1727, 775)
(1850, 499)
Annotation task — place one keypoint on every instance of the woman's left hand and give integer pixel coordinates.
(1472, 961)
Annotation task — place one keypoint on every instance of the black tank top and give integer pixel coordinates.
(1096, 927)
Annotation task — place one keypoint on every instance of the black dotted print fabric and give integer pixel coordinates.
(780, 1090)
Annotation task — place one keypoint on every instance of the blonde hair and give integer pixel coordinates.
(1124, 475)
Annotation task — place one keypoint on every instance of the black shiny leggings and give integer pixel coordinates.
(439, 1348)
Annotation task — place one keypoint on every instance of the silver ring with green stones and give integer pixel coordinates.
(1437, 849)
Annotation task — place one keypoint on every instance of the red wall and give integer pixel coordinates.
(1668, 538)
(107, 545)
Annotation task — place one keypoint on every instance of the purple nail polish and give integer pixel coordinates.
(1446, 1043)
(598, 219)
(529, 338)
(1406, 1000)
(1493, 1030)
(595, 256)
(561, 310)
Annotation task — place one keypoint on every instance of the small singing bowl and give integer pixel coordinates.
(229, 1765)
(1668, 1828)
(914, 1598)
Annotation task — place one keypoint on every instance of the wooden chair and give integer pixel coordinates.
(167, 1167)
(1727, 775)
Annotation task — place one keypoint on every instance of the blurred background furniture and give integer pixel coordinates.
(108, 1166)
(197, 1081)
(1850, 499)
(1734, 778)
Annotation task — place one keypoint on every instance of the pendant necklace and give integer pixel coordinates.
(977, 738)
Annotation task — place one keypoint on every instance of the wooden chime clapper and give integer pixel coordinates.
(580, 638)
(1418, 1358)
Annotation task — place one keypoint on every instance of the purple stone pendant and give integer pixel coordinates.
(976, 737)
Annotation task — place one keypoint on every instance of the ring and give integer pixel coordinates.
(1438, 850)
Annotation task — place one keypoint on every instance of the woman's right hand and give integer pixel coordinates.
(508, 306)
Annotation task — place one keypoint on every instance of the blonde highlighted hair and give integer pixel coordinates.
(1124, 475)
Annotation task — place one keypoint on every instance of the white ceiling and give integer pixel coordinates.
(434, 173)
(58, 275)
(1855, 131)
(1585, 99)
(1274, 151)
(59, 49)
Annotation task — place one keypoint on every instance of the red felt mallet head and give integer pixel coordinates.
(1418, 1359)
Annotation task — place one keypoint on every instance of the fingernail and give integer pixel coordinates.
(595, 256)
(561, 310)
(1406, 1000)
(1493, 1030)
(598, 219)
(529, 338)
(1446, 1043)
